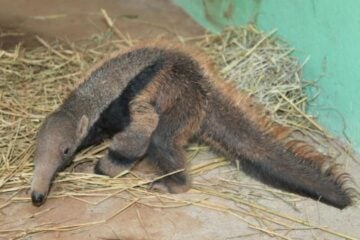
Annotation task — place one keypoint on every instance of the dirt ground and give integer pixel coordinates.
(71, 20)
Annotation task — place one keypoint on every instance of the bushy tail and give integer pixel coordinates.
(239, 128)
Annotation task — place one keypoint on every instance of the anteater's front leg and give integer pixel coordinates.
(130, 145)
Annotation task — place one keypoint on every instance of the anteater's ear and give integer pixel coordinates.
(82, 127)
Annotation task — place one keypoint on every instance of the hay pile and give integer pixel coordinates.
(261, 64)
(33, 83)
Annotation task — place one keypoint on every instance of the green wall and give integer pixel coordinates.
(326, 30)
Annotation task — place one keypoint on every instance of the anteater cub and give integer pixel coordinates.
(150, 100)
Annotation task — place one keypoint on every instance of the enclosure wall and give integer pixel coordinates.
(326, 31)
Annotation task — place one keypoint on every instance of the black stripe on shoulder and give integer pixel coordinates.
(116, 117)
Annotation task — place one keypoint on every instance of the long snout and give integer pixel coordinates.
(41, 183)
(38, 198)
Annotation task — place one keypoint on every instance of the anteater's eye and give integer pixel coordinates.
(66, 151)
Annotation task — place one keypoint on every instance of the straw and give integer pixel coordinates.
(33, 82)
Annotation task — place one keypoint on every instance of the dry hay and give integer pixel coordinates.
(261, 64)
(34, 81)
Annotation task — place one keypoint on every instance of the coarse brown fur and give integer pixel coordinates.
(150, 100)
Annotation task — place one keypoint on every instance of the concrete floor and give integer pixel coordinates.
(78, 19)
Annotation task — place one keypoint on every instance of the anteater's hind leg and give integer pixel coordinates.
(166, 151)
(168, 158)
(131, 144)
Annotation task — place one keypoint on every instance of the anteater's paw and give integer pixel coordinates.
(106, 167)
(175, 187)
(159, 186)
(98, 170)
(170, 186)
